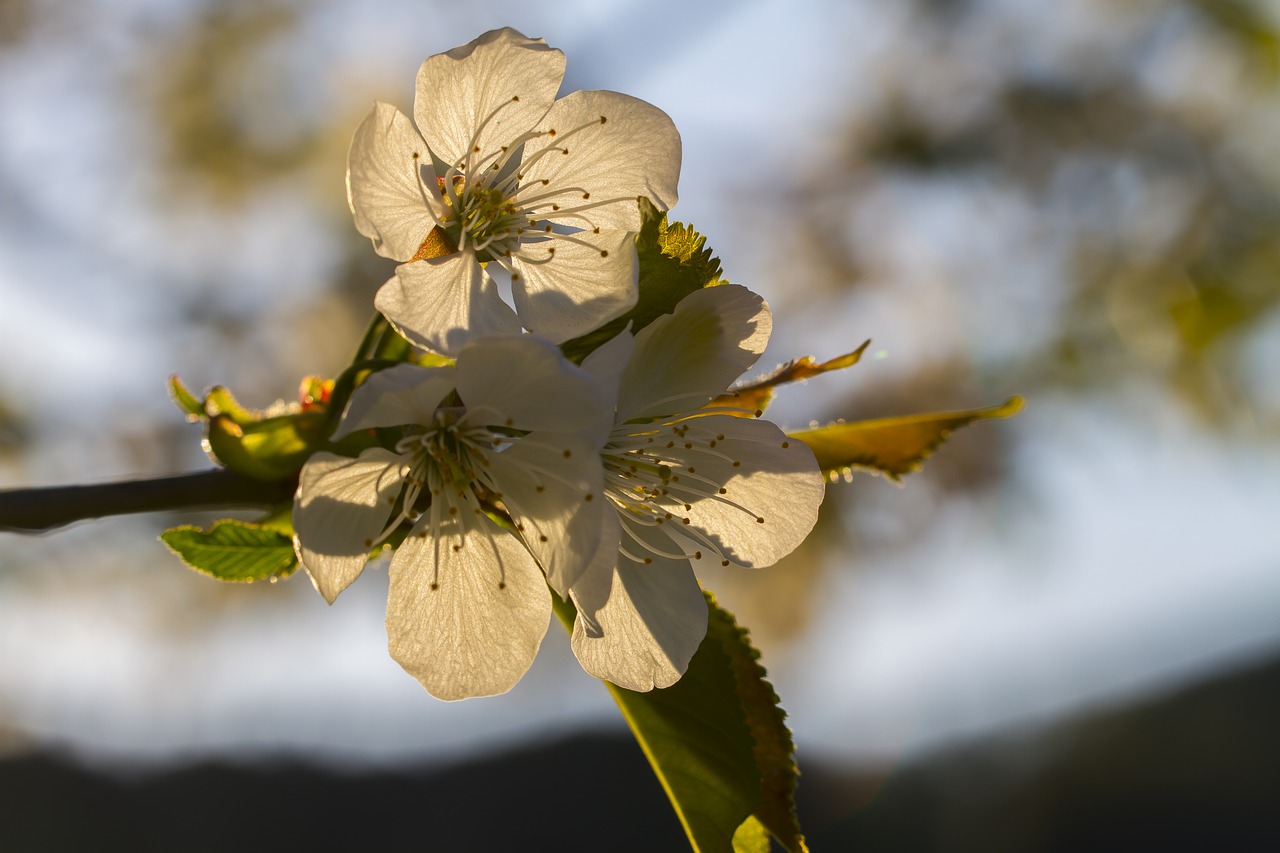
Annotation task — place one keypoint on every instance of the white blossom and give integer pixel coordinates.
(497, 171)
(512, 427)
(687, 487)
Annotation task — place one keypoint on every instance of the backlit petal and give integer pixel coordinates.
(652, 622)
(341, 506)
(551, 483)
(634, 152)
(529, 382)
(458, 90)
(606, 363)
(441, 303)
(771, 496)
(399, 395)
(685, 359)
(384, 190)
(568, 287)
(467, 608)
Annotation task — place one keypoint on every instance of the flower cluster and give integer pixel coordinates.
(511, 470)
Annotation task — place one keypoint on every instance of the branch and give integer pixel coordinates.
(42, 509)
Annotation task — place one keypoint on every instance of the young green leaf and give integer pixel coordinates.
(752, 398)
(717, 742)
(893, 447)
(184, 399)
(234, 550)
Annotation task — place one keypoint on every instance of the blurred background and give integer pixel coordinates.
(1061, 635)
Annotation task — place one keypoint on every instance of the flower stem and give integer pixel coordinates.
(38, 510)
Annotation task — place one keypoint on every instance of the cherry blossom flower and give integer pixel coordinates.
(512, 426)
(688, 487)
(498, 171)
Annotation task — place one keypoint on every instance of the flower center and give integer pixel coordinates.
(493, 211)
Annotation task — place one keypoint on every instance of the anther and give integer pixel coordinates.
(542, 537)
(759, 519)
(434, 586)
(785, 445)
(502, 584)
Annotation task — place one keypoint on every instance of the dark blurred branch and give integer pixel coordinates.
(42, 509)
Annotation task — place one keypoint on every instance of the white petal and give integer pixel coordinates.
(341, 506)
(531, 383)
(458, 90)
(584, 283)
(778, 480)
(384, 188)
(591, 590)
(478, 630)
(606, 363)
(685, 359)
(652, 622)
(441, 303)
(399, 395)
(552, 484)
(635, 152)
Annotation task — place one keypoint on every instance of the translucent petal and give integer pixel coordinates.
(458, 90)
(606, 363)
(441, 303)
(635, 152)
(552, 484)
(591, 590)
(527, 381)
(399, 395)
(467, 609)
(777, 480)
(568, 287)
(685, 359)
(652, 622)
(384, 191)
(341, 506)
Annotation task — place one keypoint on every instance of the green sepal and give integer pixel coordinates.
(893, 447)
(717, 741)
(186, 401)
(674, 262)
(268, 449)
(233, 550)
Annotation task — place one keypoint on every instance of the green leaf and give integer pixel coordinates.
(717, 741)
(234, 550)
(893, 447)
(752, 398)
(674, 262)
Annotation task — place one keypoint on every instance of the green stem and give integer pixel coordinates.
(37, 510)
(371, 334)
